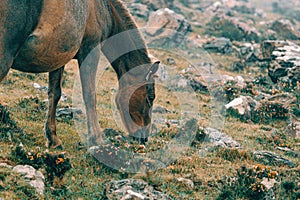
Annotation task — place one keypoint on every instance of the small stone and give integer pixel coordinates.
(270, 158)
(187, 182)
(133, 189)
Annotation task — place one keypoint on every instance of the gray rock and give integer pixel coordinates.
(63, 112)
(166, 28)
(139, 10)
(157, 4)
(43, 89)
(160, 109)
(133, 189)
(218, 139)
(34, 177)
(220, 45)
(240, 82)
(284, 59)
(270, 158)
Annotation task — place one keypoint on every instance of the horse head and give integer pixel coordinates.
(135, 100)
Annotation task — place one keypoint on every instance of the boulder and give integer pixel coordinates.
(34, 177)
(133, 189)
(220, 45)
(284, 59)
(166, 28)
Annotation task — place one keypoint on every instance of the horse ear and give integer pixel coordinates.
(152, 70)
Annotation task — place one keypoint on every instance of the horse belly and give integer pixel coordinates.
(57, 37)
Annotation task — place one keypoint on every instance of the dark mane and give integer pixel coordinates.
(121, 10)
(122, 22)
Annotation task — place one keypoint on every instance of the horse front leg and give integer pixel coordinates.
(54, 94)
(88, 71)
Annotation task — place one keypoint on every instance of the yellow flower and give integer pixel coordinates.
(59, 160)
(31, 158)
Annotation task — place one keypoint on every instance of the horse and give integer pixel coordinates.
(42, 36)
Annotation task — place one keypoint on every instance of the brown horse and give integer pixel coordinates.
(43, 35)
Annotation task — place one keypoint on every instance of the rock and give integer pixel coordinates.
(284, 60)
(198, 84)
(43, 89)
(268, 183)
(294, 128)
(166, 28)
(32, 176)
(139, 10)
(219, 139)
(248, 52)
(68, 112)
(160, 109)
(189, 183)
(243, 106)
(5, 165)
(196, 80)
(133, 189)
(289, 151)
(240, 82)
(220, 45)
(270, 158)
(285, 99)
(285, 29)
(232, 28)
(157, 4)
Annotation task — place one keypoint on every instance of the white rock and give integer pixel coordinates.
(34, 177)
(240, 104)
(268, 183)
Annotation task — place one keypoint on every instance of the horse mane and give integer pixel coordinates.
(122, 10)
(123, 21)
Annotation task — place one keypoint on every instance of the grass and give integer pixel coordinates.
(87, 177)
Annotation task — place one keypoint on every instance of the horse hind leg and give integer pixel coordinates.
(54, 94)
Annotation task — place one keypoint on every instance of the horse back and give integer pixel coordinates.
(56, 37)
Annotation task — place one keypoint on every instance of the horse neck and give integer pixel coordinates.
(126, 48)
